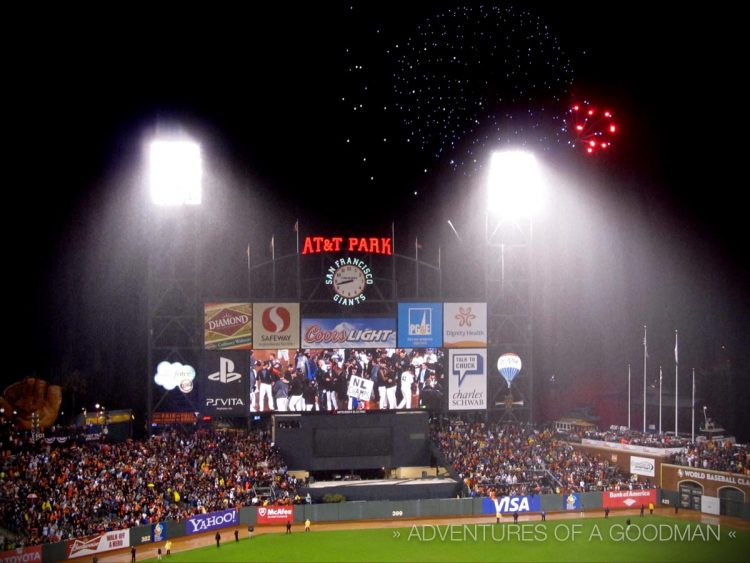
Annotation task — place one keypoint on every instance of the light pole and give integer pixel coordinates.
(516, 190)
(175, 175)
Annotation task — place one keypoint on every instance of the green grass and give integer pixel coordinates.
(591, 539)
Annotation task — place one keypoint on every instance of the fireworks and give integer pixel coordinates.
(592, 128)
(472, 77)
(449, 88)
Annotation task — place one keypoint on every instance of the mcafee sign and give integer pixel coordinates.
(275, 514)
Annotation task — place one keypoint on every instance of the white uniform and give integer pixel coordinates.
(407, 378)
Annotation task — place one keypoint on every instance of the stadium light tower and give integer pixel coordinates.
(516, 190)
(175, 172)
(515, 186)
(174, 176)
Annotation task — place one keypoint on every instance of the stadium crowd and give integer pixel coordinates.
(52, 493)
(722, 455)
(514, 459)
(623, 435)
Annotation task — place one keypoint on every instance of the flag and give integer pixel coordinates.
(273, 250)
(296, 226)
(645, 344)
(676, 361)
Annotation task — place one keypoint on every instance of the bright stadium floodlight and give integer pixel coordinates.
(515, 186)
(175, 172)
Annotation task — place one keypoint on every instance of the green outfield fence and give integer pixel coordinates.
(370, 510)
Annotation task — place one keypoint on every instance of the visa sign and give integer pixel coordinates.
(511, 504)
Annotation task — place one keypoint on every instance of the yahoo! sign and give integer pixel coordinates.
(212, 521)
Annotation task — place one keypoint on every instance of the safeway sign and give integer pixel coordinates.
(275, 514)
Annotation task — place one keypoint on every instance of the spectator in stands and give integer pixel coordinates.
(66, 491)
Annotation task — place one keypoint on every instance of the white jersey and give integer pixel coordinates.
(407, 378)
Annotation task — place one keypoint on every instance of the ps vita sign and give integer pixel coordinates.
(349, 277)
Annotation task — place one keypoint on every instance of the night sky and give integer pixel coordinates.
(350, 116)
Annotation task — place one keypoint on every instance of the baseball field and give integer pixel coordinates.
(655, 538)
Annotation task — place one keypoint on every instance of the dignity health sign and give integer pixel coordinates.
(465, 325)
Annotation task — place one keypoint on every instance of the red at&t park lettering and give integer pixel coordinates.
(370, 245)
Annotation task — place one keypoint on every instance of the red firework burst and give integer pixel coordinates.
(592, 128)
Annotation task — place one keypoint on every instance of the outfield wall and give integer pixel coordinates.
(376, 510)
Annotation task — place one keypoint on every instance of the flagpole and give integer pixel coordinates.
(692, 439)
(628, 396)
(660, 378)
(249, 277)
(299, 266)
(676, 382)
(273, 266)
(645, 355)
(393, 261)
(440, 274)
(416, 264)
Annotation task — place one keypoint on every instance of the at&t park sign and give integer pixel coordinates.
(369, 245)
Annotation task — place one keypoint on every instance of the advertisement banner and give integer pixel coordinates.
(31, 554)
(642, 466)
(275, 326)
(158, 532)
(98, 543)
(465, 325)
(420, 325)
(228, 326)
(212, 521)
(628, 499)
(708, 478)
(360, 388)
(572, 501)
(224, 377)
(173, 418)
(661, 452)
(275, 514)
(505, 505)
(467, 379)
(379, 332)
